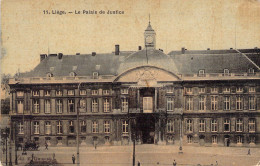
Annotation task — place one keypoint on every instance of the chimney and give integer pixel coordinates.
(42, 56)
(117, 49)
(208, 48)
(94, 53)
(60, 56)
(183, 50)
(139, 48)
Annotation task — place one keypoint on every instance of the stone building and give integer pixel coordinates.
(201, 97)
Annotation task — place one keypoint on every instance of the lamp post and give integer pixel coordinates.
(15, 145)
(78, 162)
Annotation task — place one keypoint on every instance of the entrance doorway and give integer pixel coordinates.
(146, 128)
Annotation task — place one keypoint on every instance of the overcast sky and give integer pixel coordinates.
(194, 24)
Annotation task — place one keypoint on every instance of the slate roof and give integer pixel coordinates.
(212, 61)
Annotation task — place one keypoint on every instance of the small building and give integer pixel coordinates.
(202, 97)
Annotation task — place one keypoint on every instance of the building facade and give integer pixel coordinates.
(197, 97)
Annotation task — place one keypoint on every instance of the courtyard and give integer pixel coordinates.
(147, 155)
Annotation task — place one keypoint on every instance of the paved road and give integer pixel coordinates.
(151, 155)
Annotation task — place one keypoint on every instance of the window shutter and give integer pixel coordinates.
(132, 98)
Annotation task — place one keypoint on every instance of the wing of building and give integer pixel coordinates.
(206, 97)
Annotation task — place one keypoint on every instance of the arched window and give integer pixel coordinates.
(72, 74)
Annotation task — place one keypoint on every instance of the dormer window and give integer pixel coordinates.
(106, 92)
(251, 89)
(201, 90)
(95, 75)
(201, 73)
(72, 74)
(188, 90)
(58, 93)
(226, 72)
(214, 90)
(49, 75)
(226, 89)
(251, 71)
(97, 67)
(36, 93)
(124, 91)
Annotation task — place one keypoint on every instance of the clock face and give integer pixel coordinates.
(149, 39)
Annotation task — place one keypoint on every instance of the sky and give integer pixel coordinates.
(26, 32)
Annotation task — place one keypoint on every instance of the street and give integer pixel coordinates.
(148, 155)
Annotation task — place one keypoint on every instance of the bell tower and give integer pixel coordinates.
(149, 37)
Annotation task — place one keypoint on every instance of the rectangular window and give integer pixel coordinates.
(20, 106)
(71, 127)
(202, 125)
(147, 104)
(105, 92)
(106, 105)
(47, 106)
(82, 92)
(124, 91)
(94, 127)
(239, 103)
(125, 127)
(106, 126)
(124, 105)
(239, 125)
(251, 89)
(36, 93)
(170, 126)
(214, 90)
(71, 105)
(251, 102)
(226, 72)
(36, 127)
(94, 105)
(189, 126)
(59, 127)
(169, 89)
(36, 106)
(227, 125)
(48, 127)
(20, 128)
(82, 103)
(201, 73)
(214, 103)
(226, 90)
(214, 139)
(188, 91)
(94, 92)
(202, 103)
(189, 103)
(214, 125)
(83, 127)
(239, 139)
(202, 90)
(251, 125)
(47, 93)
(95, 75)
(189, 139)
(58, 93)
(170, 104)
(59, 105)
(239, 90)
(20, 93)
(226, 103)
(70, 92)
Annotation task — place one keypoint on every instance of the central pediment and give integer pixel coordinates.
(147, 76)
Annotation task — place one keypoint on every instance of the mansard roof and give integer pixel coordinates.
(212, 61)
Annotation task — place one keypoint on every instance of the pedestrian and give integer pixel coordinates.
(249, 153)
(73, 159)
(53, 156)
(46, 146)
(216, 163)
(174, 163)
(95, 145)
(138, 163)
